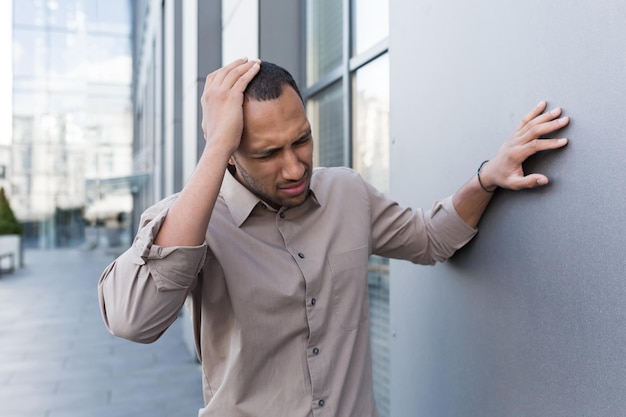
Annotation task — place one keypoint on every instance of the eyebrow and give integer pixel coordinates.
(268, 151)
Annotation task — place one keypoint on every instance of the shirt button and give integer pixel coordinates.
(263, 206)
(321, 403)
(282, 215)
(316, 351)
(313, 301)
(301, 255)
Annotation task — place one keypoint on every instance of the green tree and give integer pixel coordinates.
(8, 223)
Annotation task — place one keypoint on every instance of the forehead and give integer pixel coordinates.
(281, 119)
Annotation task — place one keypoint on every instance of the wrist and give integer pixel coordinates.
(218, 149)
(484, 179)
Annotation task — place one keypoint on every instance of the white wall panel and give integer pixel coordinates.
(240, 36)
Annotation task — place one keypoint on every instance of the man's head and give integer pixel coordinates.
(269, 82)
(275, 156)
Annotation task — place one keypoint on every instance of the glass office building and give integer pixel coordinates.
(72, 118)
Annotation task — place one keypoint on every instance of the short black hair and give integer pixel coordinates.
(268, 83)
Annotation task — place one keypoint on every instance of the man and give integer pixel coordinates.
(272, 254)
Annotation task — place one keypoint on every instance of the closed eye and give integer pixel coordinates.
(267, 155)
(264, 155)
(302, 141)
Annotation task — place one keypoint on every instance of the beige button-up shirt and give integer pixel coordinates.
(279, 299)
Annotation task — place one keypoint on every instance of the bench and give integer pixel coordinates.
(10, 256)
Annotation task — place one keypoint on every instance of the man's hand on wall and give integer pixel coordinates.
(505, 168)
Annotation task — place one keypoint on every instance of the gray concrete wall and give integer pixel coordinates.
(172, 97)
(281, 37)
(528, 319)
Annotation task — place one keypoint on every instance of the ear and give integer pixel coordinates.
(231, 160)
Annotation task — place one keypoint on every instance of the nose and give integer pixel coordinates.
(293, 168)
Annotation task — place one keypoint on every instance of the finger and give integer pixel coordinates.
(535, 180)
(533, 113)
(241, 75)
(543, 129)
(528, 181)
(243, 81)
(539, 145)
(220, 77)
(220, 74)
(540, 119)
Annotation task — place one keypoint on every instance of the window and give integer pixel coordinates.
(325, 113)
(324, 38)
(371, 18)
(72, 75)
(370, 122)
(370, 157)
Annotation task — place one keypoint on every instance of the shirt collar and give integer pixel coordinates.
(241, 201)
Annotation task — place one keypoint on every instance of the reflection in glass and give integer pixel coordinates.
(107, 16)
(371, 24)
(72, 121)
(370, 114)
(325, 112)
(378, 285)
(29, 12)
(324, 38)
(29, 53)
(370, 157)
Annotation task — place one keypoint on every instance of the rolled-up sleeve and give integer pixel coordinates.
(447, 230)
(143, 290)
(420, 236)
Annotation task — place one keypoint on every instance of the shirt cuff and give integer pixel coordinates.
(172, 268)
(450, 225)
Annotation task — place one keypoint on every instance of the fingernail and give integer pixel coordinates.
(540, 103)
(555, 111)
(542, 181)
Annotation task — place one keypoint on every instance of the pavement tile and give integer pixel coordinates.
(58, 360)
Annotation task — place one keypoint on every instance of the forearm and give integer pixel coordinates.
(132, 306)
(143, 290)
(471, 200)
(188, 218)
(222, 126)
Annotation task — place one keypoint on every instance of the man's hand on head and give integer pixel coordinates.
(222, 103)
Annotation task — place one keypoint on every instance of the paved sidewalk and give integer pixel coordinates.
(58, 360)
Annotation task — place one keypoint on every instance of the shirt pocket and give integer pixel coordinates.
(349, 292)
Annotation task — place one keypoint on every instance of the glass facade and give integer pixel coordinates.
(348, 106)
(325, 114)
(324, 38)
(370, 157)
(371, 24)
(72, 117)
(370, 115)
